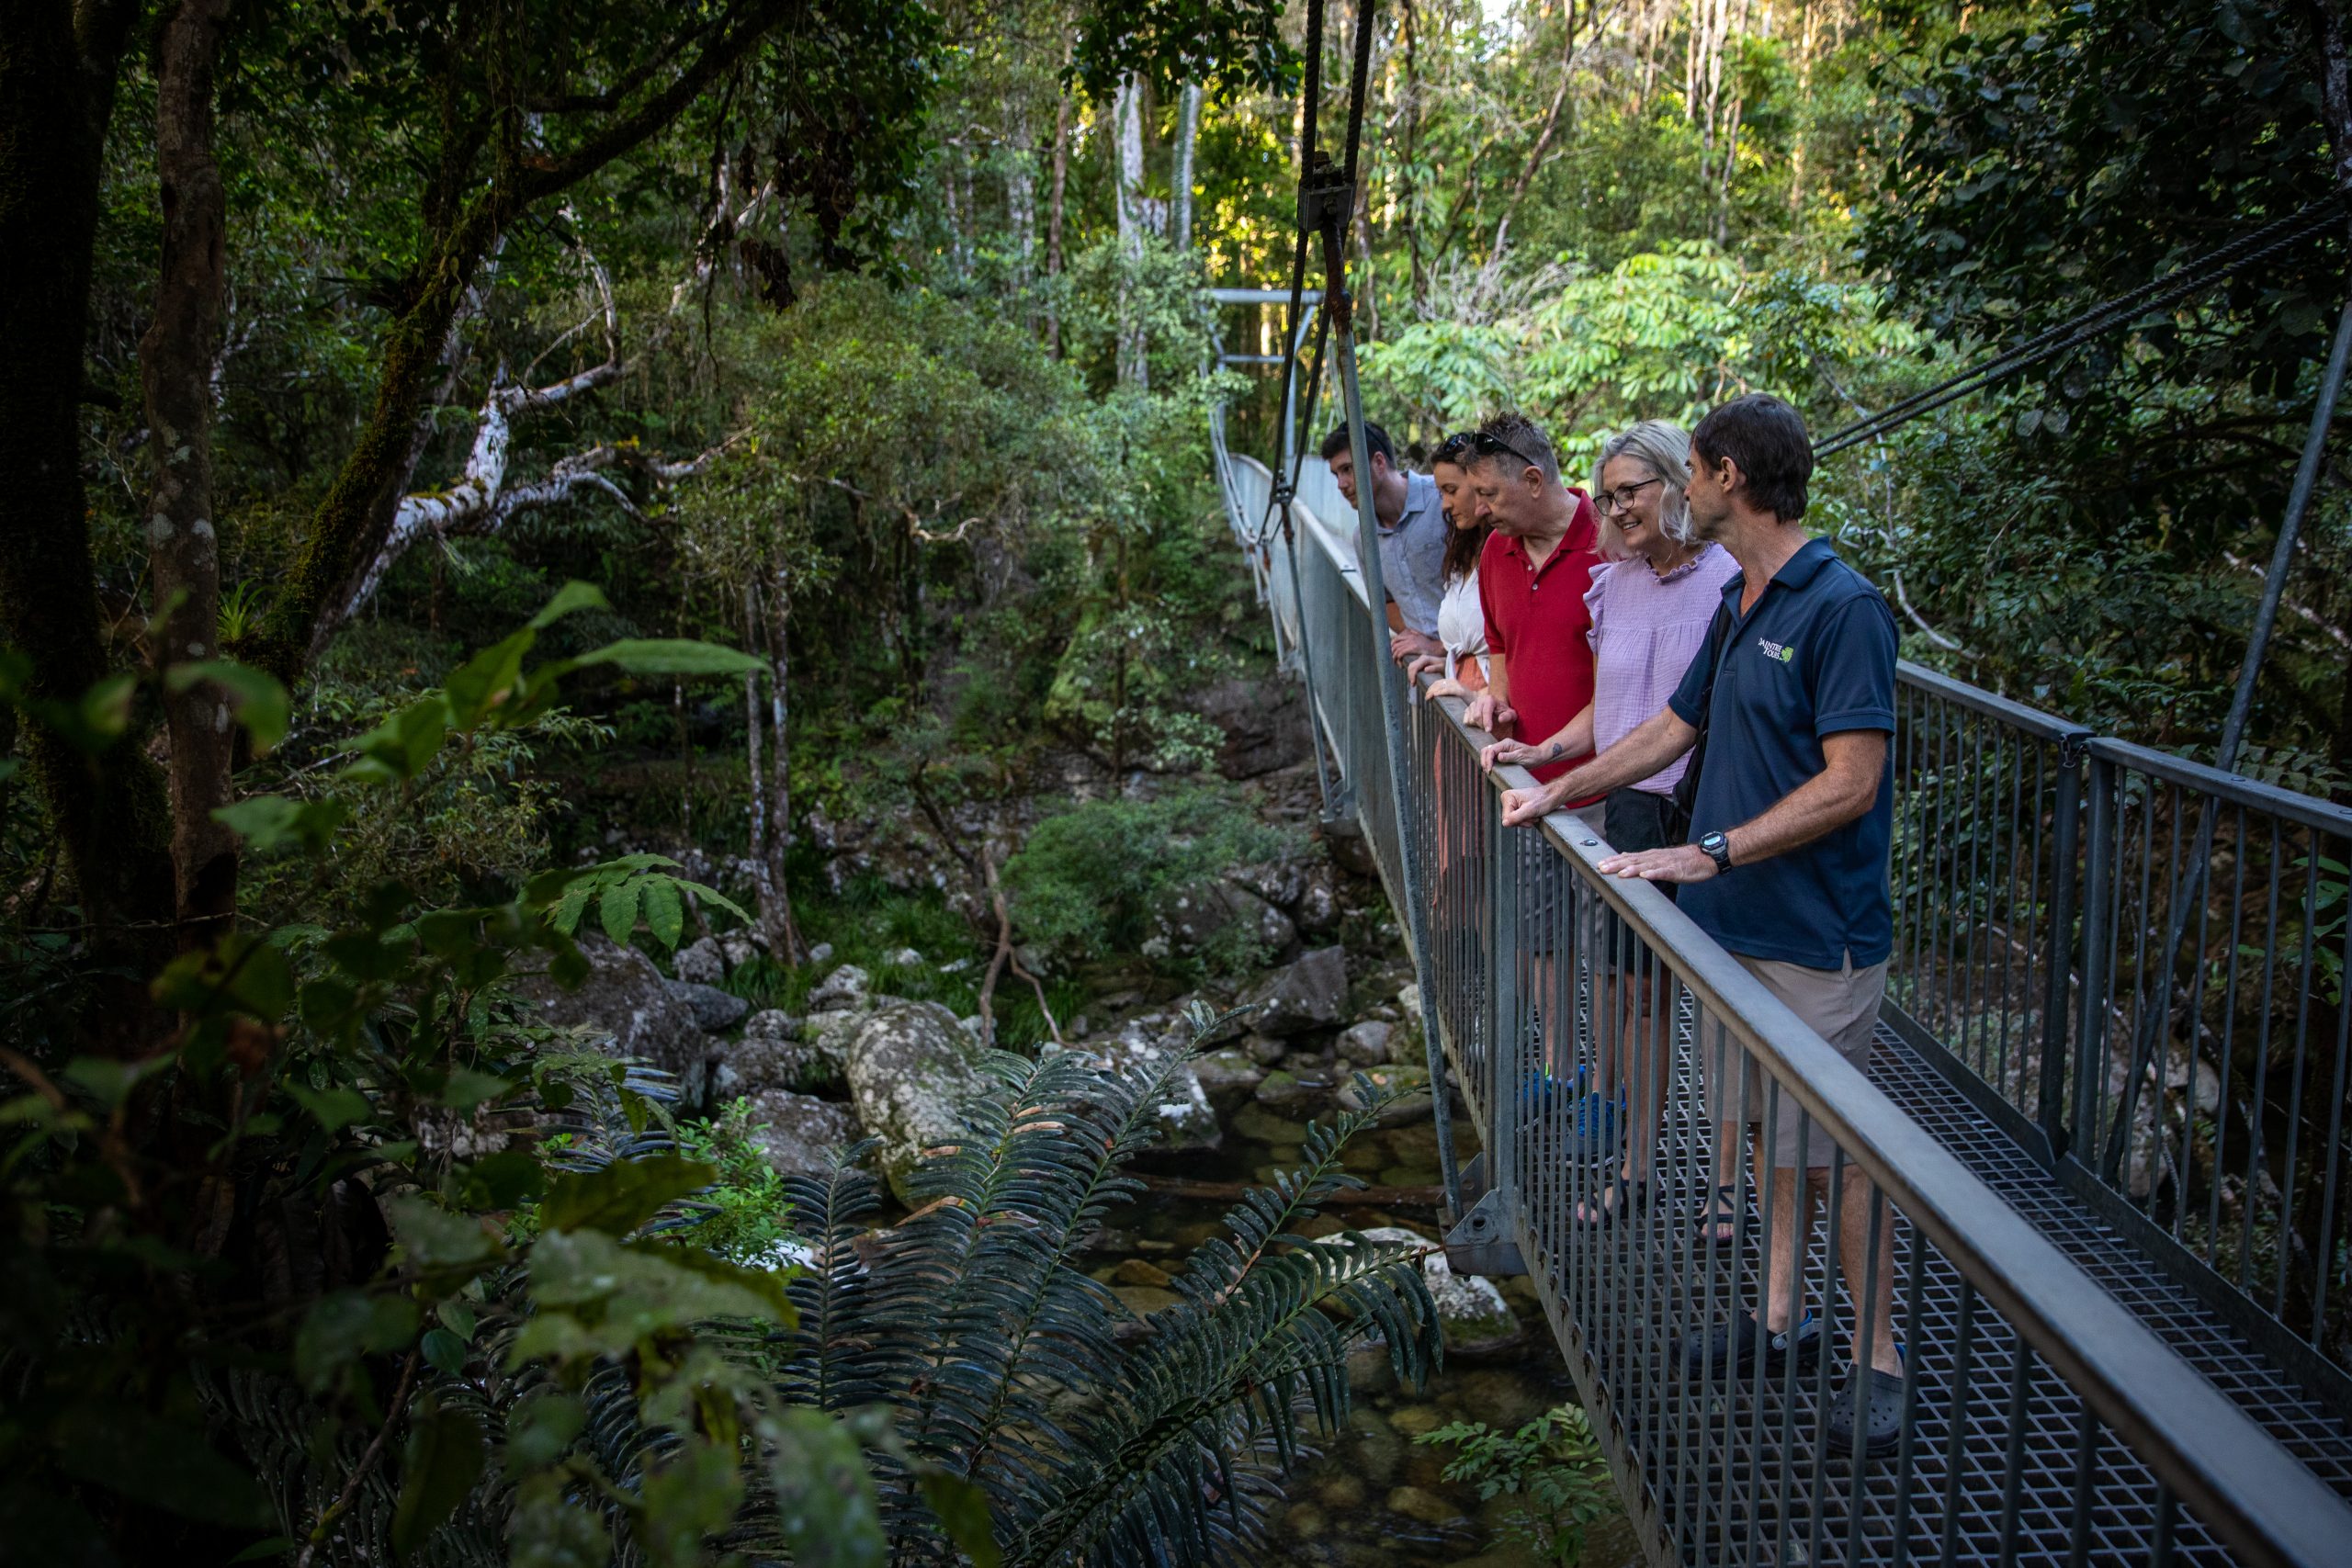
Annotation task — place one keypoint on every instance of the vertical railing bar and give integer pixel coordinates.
(2289, 1161)
(1905, 1458)
(2335, 1141)
(1824, 1358)
(2060, 949)
(1963, 1359)
(2252, 1199)
(2013, 1462)
(2086, 1451)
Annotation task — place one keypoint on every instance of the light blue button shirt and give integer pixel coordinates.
(1412, 554)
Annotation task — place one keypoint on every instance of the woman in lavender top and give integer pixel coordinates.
(1651, 607)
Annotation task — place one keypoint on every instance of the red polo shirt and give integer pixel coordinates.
(1536, 619)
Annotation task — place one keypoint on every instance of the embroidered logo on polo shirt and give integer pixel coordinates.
(1774, 651)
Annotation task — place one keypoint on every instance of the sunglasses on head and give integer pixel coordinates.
(1487, 446)
(1453, 449)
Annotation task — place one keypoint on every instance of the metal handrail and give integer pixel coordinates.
(2200, 1445)
(2235, 789)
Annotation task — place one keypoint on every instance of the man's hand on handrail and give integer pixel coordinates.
(1489, 713)
(1523, 805)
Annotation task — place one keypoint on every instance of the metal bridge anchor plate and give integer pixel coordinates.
(1481, 1242)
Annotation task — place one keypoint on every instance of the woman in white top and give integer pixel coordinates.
(1461, 623)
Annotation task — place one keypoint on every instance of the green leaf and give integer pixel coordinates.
(688, 1497)
(672, 656)
(767, 1285)
(444, 1458)
(713, 895)
(266, 821)
(444, 1352)
(261, 703)
(344, 1327)
(665, 913)
(963, 1510)
(479, 685)
(398, 750)
(618, 909)
(332, 1109)
(827, 1509)
(539, 1428)
(551, 1531)
(623, 1195)
(572, 596)
(105, 710)
(464, 1089)
(433, 1237)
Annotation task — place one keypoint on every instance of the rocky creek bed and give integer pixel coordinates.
(859, 1060)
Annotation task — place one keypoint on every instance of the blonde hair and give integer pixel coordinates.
(1664, 448)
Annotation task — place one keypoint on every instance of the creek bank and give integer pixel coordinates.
(1336, 1005)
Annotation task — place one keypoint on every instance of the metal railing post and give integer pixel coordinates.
(2066, 836)
(2090, 1013)
(1341, 316)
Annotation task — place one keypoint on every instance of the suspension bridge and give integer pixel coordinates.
(2119, 1226)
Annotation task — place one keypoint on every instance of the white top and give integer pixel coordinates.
(1461, 624)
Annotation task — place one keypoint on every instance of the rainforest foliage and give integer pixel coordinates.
(466, 461)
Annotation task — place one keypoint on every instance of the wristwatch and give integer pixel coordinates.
(1718, 849)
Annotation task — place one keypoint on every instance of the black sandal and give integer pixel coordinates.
(1719, 1221)
(1620, 1191)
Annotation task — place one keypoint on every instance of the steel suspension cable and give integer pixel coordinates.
(2191, 277)
(1329, 205)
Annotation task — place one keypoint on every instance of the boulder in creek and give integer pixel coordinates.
(715, 1012)
(1318, 909)
(1187, 1122)
(1301, 996)
(910, 1070)
(1365, 1044)
(776, 1053)
(1470, 1307)
(738, 947)
(703, 962)
(844, 987)
(624, 997)
(799, 1135)
(1265, 1049)
(1229, 1072)
(1189, 918)
(1278, 882)
(1285, 1090)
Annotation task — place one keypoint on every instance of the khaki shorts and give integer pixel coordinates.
(1841, 1006)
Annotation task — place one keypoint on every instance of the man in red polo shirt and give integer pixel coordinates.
(1532, 576)
(1532, 580)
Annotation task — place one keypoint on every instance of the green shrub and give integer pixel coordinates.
(1554, 1461)
(1085, 885)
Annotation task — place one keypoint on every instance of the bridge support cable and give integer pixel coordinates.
(1326, 208)
(2156, 1023)
(2190, 278)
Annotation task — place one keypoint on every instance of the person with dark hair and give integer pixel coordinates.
(1411, 523)
(1461, 661)
(1792, 815)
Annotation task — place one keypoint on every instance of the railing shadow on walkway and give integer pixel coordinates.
(2118, 1354)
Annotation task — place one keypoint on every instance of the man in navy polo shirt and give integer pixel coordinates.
(1792, 816)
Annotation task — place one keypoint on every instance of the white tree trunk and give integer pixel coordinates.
(1188, 131)
(1133, 370)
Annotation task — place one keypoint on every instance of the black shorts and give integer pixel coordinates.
(1636, 820)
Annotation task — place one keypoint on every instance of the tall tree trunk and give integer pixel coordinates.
(1188, 131)
(183, 557)
(58, 69)
(1127, 113)
(769, 760)
(1021, 193)
(1054, 219)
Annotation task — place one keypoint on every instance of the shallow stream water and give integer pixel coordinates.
(1374, 1496)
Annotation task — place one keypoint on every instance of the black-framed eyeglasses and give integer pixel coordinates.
(1610, 502)
(1487, 446)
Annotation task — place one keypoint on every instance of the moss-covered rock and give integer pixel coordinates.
(910, 1070)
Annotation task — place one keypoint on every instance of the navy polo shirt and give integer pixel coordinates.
(1815, 657)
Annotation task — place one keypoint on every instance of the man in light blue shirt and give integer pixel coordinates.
(1411, 515)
